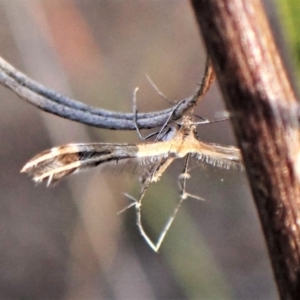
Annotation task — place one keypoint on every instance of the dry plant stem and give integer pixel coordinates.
(55, 103)
(260, 100)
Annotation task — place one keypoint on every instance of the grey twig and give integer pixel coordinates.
(60, 105)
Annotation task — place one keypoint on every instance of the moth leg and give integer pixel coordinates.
(154, 246)
(139, 223)
(182, 183)
(133, 203)
(137, 203)
(159, 134)
(184, 176)
(207, 121)
(135, 120)
(184, 195)
(158, 91)
(167, 121)
(135, 112)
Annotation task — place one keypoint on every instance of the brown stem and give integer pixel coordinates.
(262, 104)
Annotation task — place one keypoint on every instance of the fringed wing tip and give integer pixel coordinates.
(37, 159)
(223, 161)
(40, 173)
(50, 180)
(26, 169)
(35, 178)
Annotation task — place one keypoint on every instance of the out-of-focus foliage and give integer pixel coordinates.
(289, 16)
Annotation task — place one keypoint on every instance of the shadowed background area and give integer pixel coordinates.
(67, 241)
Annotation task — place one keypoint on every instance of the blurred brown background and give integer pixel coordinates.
(67, 242)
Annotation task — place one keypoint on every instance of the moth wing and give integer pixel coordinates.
(224, 157)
